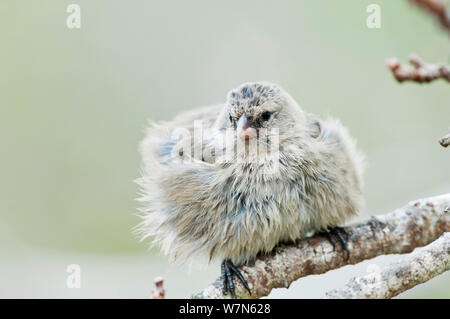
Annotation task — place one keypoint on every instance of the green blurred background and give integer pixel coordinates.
(74, 103)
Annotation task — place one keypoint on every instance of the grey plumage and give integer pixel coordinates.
(235, 209)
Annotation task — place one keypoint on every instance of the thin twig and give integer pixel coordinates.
(437, 8)
(422, 265)
(159, 292)
(445, 140)
(420, 71)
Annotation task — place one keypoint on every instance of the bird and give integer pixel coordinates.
(205, 193)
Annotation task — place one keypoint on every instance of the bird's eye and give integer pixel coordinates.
(231, 118)
(266, 115)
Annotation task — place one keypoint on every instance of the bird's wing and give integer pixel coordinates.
(167, 142)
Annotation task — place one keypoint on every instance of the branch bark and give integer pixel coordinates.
(422, 265)
(415, 225)
(437, 8)
(445, 140)
(420, 71)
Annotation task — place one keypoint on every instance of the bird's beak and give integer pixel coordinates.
(244, 128)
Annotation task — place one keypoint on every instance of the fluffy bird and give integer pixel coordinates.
(207, 193)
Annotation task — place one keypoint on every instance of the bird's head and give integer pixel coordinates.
(254, 109)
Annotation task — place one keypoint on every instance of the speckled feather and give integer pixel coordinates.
(235, 210)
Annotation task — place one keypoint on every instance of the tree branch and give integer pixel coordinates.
(445, 140)
(437, 9)
(415, 225)
(159, 292)
(422, 265)
(420, 71)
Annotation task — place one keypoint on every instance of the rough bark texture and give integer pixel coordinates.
(422, 265)
(419, 70)
(415, 225)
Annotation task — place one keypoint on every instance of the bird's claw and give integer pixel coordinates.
(335, 235)
(228, 269)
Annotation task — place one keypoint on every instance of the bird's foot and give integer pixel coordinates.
(338, 235)
(228, 269)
